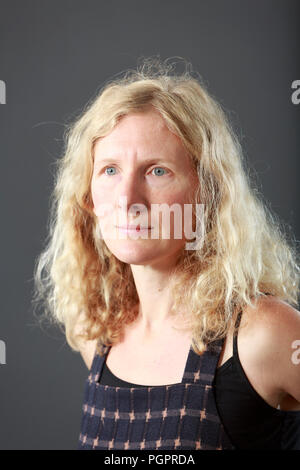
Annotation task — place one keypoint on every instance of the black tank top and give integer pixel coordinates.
(250, 422)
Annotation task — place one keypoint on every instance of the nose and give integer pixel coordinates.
(131, 195)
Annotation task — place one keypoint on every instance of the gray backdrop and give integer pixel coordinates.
(54, 55)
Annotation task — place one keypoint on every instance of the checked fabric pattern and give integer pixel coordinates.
(180, 416)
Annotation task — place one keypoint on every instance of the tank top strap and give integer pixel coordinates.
(101, 352)
(237, 324)
(201, 368)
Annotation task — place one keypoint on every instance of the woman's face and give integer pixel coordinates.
(139, 164)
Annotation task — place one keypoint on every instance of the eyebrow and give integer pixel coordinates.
(100, 161)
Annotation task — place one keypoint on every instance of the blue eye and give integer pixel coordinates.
(160, 170)
(109, 168)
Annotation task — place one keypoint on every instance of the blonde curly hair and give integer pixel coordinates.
(246, 252)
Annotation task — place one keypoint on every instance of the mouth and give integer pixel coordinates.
(132, 228)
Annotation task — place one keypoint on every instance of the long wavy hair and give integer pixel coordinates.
(246, 251)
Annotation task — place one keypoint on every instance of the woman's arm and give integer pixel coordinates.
(287, 332)
(267, 351)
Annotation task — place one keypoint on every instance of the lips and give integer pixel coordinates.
(133, 227)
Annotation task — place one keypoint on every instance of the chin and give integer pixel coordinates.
(132, 252)
(142, 252)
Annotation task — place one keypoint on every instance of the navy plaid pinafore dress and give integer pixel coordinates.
(180, 416)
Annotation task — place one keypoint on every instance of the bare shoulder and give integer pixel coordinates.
(274, 319)
(86, 348)
(269, 333)
(271, 315)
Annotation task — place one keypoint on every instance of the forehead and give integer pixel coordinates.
(143, 132)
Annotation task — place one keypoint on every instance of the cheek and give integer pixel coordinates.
(184, 198)
(99, 194)
(177, 196)
(174, 222)
(101, 201)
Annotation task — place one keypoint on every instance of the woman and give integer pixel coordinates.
(156, 317)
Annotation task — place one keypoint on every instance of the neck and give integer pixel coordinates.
(154, 288)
